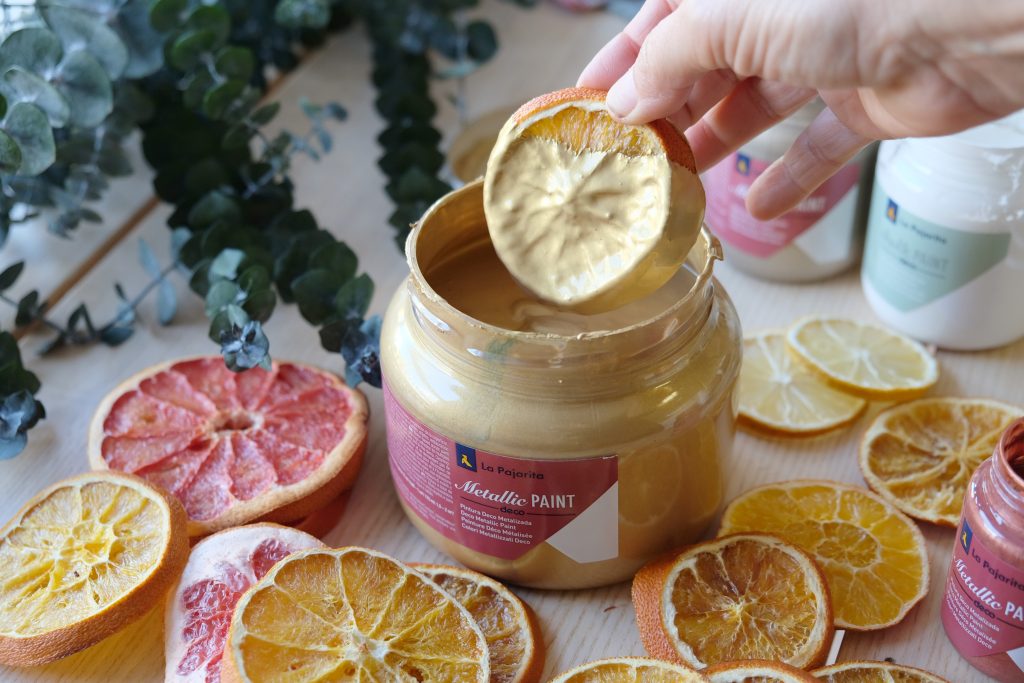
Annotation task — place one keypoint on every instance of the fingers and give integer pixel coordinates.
(675, 54)
(706, 93)
(817, 154)
(612, 61)
(752, 107)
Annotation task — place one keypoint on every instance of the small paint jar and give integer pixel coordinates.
(819, 238)
(550, 448)
(983, 606)
(944, 258)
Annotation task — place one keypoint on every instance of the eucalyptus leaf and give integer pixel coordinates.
(190, 47)
(142, 40)
(227, 318)
(10, 153)
(353, 299)
(245, 347)
(260, 304)
(302, 13)
(167, 15)
(336, 257)
(166, 302)
(225, 265)
(87, 88)
(220, 294)
(214, 206)
(10, 275)
(219, 100)
(482, 42)
(27, 125)
(314, 291)
(81, 30)
(265, 114)
(212, 18)
(148, 259)
(28, 309)
(35, 49)
(235, 62)
(115, 335)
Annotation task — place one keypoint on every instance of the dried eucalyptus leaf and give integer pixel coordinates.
(27, 125)
(81, 30)
(35, 49)
(87, 88)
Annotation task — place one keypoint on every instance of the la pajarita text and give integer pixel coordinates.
(509, 472)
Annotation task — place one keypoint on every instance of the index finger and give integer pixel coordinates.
(618, 54)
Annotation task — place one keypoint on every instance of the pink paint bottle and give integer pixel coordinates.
(983, 607)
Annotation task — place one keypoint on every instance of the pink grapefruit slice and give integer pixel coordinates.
(220, 568)
(270, 445)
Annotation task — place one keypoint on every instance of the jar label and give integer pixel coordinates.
(983, 608)
(912, 262)
(728, 183)
(499, 505)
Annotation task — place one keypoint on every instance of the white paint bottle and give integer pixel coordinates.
(819, 238)
(944, 259)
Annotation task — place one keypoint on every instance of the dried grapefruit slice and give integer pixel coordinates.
(875, 672)
(81, 560)
(872, 554)
(271, 445)
(351, 614)
(321, 522)
(779, 394)
(587, 212)
(920, 455)
(220, 568)
(629, 670)
(750, 596)
(757, 671)
(508, 623)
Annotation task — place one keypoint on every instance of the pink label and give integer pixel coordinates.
(727, 184)
(983, 608)
(498, 505)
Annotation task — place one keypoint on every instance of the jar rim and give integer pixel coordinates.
(703, 255)
(1010, 454)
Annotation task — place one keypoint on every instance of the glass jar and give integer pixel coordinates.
(819, 238)
(983, 606)
(944, 258)
(563, 458)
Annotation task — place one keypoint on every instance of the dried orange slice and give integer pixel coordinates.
(629, 670)
(747, 596)
(351, 614)
(875, 672)
(779, 393)
(757, 671)
(220, 568)
(587, 212)
(234, 447)
(83, 559)
(920, 455)
(865, 360)
(509, 625)
(872, 554)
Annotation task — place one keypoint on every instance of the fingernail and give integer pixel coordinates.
(622, 97)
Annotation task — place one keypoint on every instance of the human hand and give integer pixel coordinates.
(725, 70)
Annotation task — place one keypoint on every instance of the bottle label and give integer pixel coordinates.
(912, 262)
(983, 608)
(500, 505)
(728, 183)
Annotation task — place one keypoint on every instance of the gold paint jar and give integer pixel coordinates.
(548, 448)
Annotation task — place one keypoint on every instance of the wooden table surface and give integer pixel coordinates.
(542, 49)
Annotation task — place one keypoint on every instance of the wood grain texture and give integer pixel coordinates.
(542, 50)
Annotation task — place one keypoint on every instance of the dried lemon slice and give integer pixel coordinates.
(920, 455)
(872, 554)
(779, 393)
(866, 360)
(746, 596)
(756, 671)
(584, 211)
